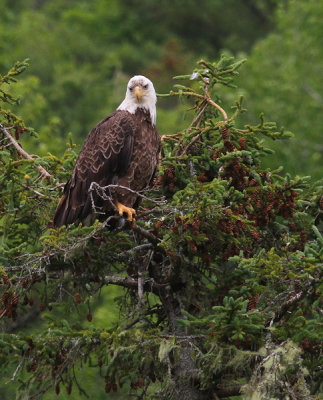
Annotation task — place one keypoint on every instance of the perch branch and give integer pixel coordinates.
(161, 202)
(100, 190)
(21, 151)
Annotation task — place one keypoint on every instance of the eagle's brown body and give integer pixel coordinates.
(121, 150)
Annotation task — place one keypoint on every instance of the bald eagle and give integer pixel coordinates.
(120, 150)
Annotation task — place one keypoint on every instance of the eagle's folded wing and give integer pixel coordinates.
(105, 155)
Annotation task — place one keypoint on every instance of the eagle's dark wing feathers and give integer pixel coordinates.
(106, 154)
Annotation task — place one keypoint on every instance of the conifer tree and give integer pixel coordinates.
(220, 276)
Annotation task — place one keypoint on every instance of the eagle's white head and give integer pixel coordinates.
(140, 93)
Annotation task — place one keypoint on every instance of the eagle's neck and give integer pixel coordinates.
(130, 106)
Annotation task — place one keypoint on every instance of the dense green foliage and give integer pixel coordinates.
(221, 278)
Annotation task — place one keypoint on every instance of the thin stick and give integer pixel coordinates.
(21, 151)
(195, 121)
(195, 138)
(197, 118)
(17, 369)
(209, 100)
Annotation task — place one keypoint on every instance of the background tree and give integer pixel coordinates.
(284, 81)
(220, 277)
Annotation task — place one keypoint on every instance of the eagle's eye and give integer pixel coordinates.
(131, 89)
(145, 86)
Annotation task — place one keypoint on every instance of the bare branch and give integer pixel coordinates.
(148, 285)
(163, 211)
(287, 304)
(148, 235)
(133, 250)
(21, 151)
(228, 391)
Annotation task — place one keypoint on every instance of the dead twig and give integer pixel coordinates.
(197, 119)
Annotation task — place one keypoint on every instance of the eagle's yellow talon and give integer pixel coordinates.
(128, 210)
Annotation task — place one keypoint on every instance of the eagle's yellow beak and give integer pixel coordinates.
(139, 92)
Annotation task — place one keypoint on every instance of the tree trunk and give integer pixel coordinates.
(184, 382)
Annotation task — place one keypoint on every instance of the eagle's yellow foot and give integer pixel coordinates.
(128, 210)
